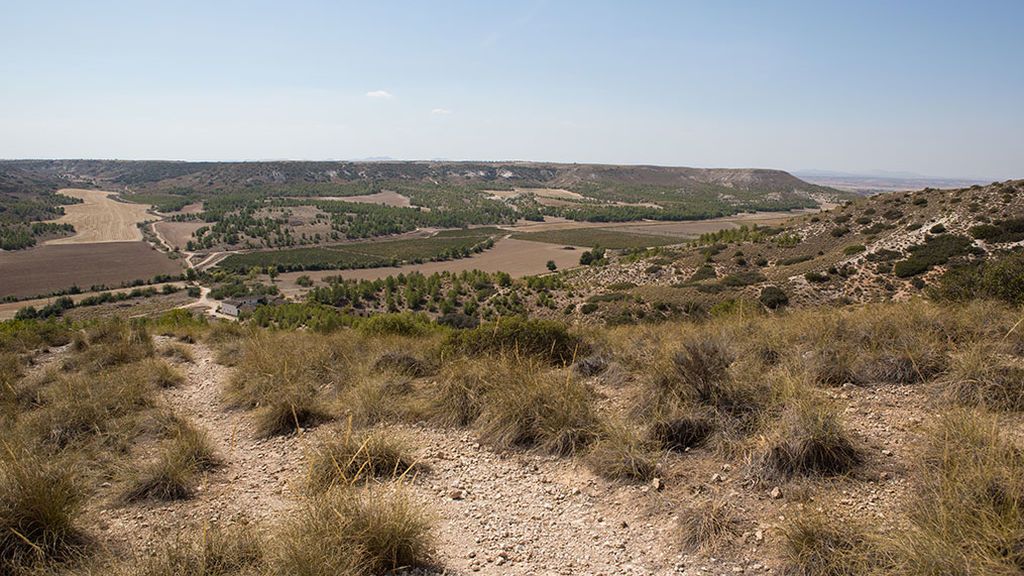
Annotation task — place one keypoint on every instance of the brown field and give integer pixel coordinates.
(49, 268)
(516, 257)
(177, 234)
(100, 218)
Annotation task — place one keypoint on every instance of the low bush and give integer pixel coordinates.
(543, 338)
(773, 297)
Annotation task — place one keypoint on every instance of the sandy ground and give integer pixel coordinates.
(177, 234)
(101, 218)
(45, 269)
(516, 257)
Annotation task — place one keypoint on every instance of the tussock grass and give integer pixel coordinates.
(355, 532)
(161, 374)
(171, 474)
(178, 352)
(550, 410)
(402, 363)
(380, 399)
(463, 384)
(40, 504)
(706, 526)
(80, 407)
(541, 338)
(107, 344)
(233, 551)
(355, 457)
(809, 440)
(967, 516)
(621, 454)
(981, 374)
(294, 410)
(679, 432)
(816, 546)
(286, 375)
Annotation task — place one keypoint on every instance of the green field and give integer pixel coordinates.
(602, 237)
(445, 245)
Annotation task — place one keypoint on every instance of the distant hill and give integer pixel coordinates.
(889, 246)
(203, 176)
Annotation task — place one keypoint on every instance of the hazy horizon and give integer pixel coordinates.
(922, 87)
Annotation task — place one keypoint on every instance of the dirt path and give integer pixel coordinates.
(253, 485)
(521, 513)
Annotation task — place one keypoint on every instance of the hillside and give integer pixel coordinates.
(886, 247)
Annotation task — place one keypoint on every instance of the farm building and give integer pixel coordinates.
(236, 306)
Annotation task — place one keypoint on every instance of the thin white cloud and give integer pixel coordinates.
(440, 112)
(380, 95)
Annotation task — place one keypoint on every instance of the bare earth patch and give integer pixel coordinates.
(100, 218)
(45, 269)
(177, 234)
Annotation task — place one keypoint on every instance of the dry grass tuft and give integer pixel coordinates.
(293, 411)
(810, 440)
(967, 516)
(402, 363)
(40, 502)
(980, 375)
(354, 458)
(356, 532)
(706, 526)
(178, 352)
(171, 475)
(161, 374)
(682, 432)
(234, 551)
(621, 454)
(814, 546)
(547, 409)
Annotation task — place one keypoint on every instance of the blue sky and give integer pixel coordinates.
(930, 87)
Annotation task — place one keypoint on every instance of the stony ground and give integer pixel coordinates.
(523, 513)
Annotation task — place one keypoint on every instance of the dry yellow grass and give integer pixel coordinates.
(100, 218)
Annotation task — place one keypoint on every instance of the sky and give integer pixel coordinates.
(931, 87)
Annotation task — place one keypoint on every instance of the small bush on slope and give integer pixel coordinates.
(542, 338)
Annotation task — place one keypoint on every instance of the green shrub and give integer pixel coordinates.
(546, 338)
(854, 249)
(773, 297)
